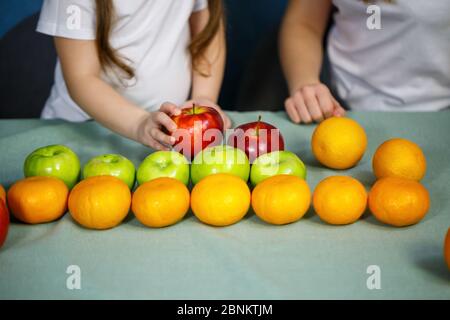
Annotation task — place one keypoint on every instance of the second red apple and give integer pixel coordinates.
(257, 138)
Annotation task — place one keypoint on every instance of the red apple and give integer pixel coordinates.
(256, 138)
(197, 128)
(4, 221)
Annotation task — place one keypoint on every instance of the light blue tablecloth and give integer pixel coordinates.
(307, 259)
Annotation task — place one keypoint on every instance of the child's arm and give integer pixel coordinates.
(206, 89)
(81, 69)
(301, 54)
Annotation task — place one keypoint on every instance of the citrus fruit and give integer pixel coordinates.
(339, 143)
(447, 248)
(100, 202)
(38, 199)
(340, 200)
(281, 199)
(398, 201)
(160, 202)
(2, 193)
(399, 158)
(220, 199)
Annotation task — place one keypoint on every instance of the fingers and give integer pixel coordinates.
(161, 137)
(226, 120)
(152, 143)
(291, 110)
(325, 100)
(170, 109)
(164, 120)
(302, 109)
(338, 111)
(312, 103)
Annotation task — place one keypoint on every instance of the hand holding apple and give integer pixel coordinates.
(256, 138)
(55, 161)
(114, 165)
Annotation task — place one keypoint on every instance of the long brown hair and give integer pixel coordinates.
(109, 57)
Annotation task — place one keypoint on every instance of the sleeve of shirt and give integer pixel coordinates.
(199, 5)
(73, 19)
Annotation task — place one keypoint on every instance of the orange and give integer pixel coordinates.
(339, 143)
(38, 199)
(399, 158)
(2, 193)
(398, 201)
(100, 202)
(160, 202)
(340, 200)
(447, 248)
(281, 199)
(220, 199)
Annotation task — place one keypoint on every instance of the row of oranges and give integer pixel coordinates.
(103, 202)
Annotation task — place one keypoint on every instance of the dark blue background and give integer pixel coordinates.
(248, 23)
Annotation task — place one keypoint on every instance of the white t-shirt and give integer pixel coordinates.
(404, 66)
(152, 34)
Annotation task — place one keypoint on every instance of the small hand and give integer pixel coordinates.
(313, 103)
(151, 128)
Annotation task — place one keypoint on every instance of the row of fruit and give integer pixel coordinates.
(220, 174)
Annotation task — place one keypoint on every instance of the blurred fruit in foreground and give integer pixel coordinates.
(2, 193)
(399, 158)
(160, 202)
(281, 199)
(339, 143)
(340, 200)
(447, 248)
(220, 199)
(398, 201)
(38, 199)
(100, 202)
(4, 221)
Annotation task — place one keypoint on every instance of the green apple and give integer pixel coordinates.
(55, 161)
(220, 159)
(114, 165)
(159, 164)
(274, 163)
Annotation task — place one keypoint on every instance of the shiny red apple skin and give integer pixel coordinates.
(4, 222)
(209, 118)
(253, 144)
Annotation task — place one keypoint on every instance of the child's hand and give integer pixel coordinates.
(208, 103)
(151, 128)
(312, 103)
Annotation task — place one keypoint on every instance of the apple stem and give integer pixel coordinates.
(193, 108)
(258, 125)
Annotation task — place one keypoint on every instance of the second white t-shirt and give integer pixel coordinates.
(153, 35)
(402, 66)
